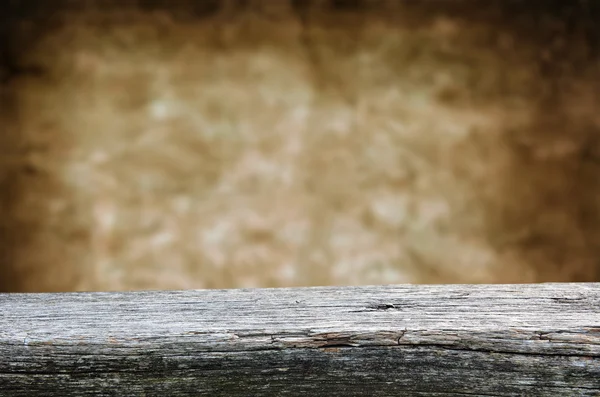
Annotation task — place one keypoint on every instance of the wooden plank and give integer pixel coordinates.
(401, 340)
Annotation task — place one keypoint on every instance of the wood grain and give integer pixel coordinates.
(400, 340)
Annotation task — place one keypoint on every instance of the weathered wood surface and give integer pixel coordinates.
(452, 340)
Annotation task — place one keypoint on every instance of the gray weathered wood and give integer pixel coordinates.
(450, 340)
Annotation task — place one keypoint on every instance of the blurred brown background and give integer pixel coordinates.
(257, 143)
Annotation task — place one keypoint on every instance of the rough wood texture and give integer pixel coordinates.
(451, 340)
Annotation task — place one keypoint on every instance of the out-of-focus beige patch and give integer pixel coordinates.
(194, 157)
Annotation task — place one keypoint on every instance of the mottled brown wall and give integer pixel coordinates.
(203, 144)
